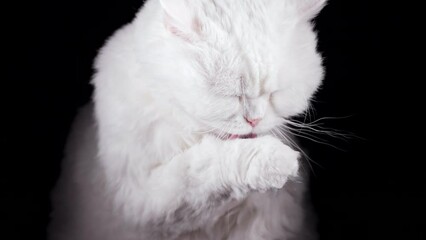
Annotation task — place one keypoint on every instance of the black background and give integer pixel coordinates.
(373, 189)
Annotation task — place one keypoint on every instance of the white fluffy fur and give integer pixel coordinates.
(154, 160)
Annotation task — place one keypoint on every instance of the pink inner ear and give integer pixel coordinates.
(175, 30)
(196, 25)
(180, 19)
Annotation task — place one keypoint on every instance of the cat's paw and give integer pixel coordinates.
(271, 164)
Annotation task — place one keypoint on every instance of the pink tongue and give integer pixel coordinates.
(251, 135)
(233, 136)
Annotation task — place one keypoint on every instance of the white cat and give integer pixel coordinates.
(179, 143)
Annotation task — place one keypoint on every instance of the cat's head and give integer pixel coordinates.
(242, 66)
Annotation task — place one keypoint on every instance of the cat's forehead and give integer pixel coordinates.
(247, 20)
(251, 79)
(240, 70)
(239, 47)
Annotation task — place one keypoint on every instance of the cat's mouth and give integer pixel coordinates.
(229, 136)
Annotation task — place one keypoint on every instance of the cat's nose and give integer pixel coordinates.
(253, 122)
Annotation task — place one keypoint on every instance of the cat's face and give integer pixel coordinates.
(246, 65)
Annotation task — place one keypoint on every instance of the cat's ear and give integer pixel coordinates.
(180, 19)
(308, 9)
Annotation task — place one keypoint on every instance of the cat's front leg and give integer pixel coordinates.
(270, 163)
(213, 172)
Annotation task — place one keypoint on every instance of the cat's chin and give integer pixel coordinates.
(228, 136)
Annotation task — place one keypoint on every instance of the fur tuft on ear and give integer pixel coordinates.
(307, 9)
(180, 19)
